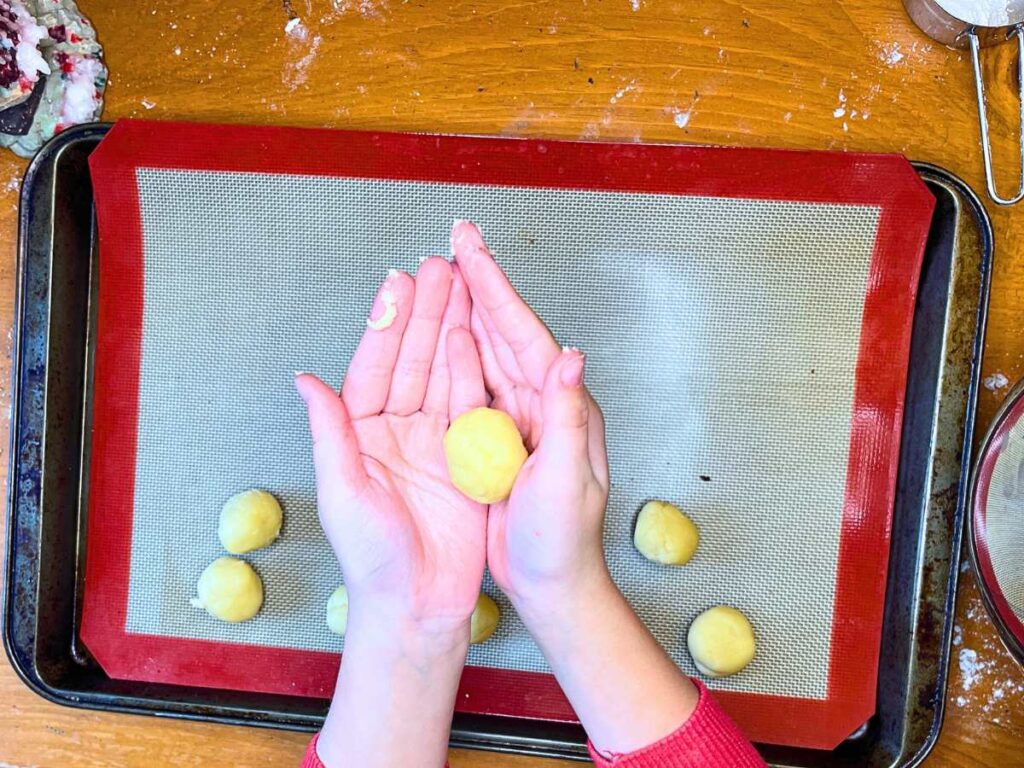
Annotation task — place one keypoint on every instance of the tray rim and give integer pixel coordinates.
(459, 737)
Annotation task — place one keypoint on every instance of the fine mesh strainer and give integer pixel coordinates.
(997, 521)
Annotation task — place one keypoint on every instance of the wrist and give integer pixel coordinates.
(396, 687)
(386, 635)
(565, 606)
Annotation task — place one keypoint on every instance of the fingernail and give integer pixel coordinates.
(300, 373)
(572, 370)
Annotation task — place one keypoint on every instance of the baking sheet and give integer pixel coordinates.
(745, 313)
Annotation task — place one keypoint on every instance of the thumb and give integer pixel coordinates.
(337, 461)
(565, 409)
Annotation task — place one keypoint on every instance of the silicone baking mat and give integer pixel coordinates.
(746, 315)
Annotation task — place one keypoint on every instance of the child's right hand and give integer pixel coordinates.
(544, 544)
(545, 541)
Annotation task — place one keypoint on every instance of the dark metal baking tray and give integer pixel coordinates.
(45, 528)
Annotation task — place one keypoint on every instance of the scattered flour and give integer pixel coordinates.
(301, 42)
(960, 701)
(681, 117)
(958, 634)
(995, 382)
(840, 110)
(366, 8)
(297, 30)
(890, 54)
(634, 4)
(627, 88)
(970, 667)
(147, 103)
(787, 117)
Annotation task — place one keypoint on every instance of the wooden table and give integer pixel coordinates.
(811, 74)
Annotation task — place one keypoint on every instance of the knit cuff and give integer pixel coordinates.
(708, 738)
(311, 759)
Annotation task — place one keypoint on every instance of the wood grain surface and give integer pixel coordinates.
(809, 74)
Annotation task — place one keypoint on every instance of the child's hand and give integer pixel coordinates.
(546, 538)
(411, 547)
(544, 544)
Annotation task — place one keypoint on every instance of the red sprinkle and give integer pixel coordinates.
(66, 65)
(74, 38)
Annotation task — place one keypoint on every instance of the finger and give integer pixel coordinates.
(596, 446)
(338, 464)
(467, 388)
(531, 341)
(495, 379)
(502, 351)
(521, 397)
(566, 408)
(368, 380)
(412, 369)
(456, 315)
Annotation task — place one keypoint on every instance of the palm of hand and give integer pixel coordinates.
(553, 518)
(530, 534)
(405, 537)
(422, 538)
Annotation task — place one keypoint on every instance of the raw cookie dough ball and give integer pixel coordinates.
(248, 521)
(484, 621)
(485, 452)
(337, 610)
(721, 641)
(230, 590)
(664, 534)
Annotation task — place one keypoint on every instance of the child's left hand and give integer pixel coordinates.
(411, 547)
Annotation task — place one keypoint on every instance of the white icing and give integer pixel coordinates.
(80, 92)
(30, 60)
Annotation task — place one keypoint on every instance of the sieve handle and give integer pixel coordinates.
(979, 87)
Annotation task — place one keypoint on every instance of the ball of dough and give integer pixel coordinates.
(664, 534)
(337, 610)
(485, 452)
(248, 521)
(484, 621)
(721, 641)
(230, 590)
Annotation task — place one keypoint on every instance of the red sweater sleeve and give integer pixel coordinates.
(708, 739)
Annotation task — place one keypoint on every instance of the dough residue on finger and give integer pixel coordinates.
(390, 304)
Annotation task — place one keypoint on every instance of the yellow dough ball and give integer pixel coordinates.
(484, 621)
(230, 590)
(485, 452)
(337, 610)
(664, 534)
(248, 521)
(721, 641)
